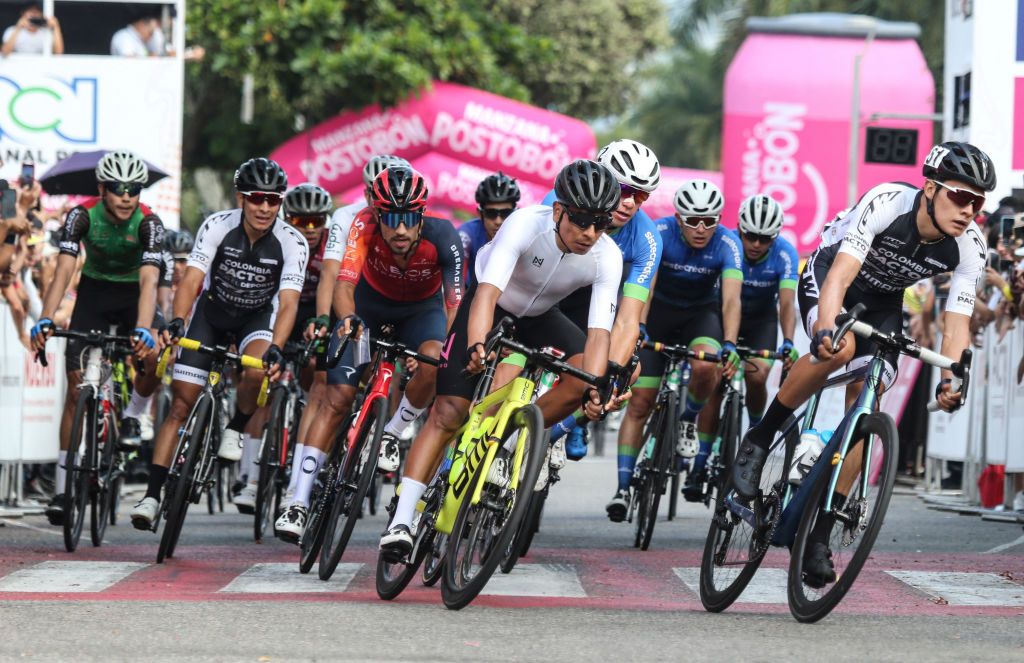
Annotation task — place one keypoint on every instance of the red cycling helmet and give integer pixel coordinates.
(399, 189)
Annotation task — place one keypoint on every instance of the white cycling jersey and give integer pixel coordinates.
(881, 232)
(524, 262)
(337, 230)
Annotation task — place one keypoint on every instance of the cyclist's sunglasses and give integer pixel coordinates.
(583, 219)
(491, 213)
(121, 188)
(639, 196)
(698, 221)
(754, 238)
(963, 197)
(307, 222)
(395, 219)
(271, 198)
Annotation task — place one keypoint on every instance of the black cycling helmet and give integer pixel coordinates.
(497, 188)
(261, 174)
(179, 242)
(307, 200)
(960, 161)
(587, 185)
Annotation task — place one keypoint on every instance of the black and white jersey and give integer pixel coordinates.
(881, 232)
(242, 277)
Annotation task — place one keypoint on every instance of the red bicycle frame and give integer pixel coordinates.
(380, 388)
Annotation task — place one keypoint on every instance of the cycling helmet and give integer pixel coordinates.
(698, 198)
(378, 163)
(179, 242)
(261, 174)
(632, 163)
(307, 200)
(960, 161)
(399, 189)
(497, 188)
(761, 215)
(122, 167)
(587, 185)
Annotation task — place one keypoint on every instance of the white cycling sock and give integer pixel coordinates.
(404, 415)
(309, 467)
(62, 473)
(409, 496)
(250, 457)
(138, 405)
(296, 464)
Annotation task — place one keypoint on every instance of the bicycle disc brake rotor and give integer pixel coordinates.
(856, 519)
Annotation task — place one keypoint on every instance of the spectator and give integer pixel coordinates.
(30, 33)
(140, 38)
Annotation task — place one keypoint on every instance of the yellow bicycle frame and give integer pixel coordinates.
(479, 440)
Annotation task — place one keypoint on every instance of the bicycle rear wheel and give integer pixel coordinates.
(352, 486)
(739, 534)
(482, 531)
(78, 465)
(654, 477)
(180, 478)
(324, 494)
(268, 487)
(529, 526)
(850, 529)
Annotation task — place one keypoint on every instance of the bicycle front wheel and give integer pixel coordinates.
(180, 479)
(654, 476)
(105, 479)
(78, 465)
(268, 486)
(321, 504)
(851, 526)
(483, 531)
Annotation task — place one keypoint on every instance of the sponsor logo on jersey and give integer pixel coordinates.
(538, 261)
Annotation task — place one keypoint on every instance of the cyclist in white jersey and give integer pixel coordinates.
(540, 255)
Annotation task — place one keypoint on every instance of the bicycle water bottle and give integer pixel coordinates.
(806, 454)
(93, 372)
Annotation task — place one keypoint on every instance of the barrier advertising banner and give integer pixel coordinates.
(51, 107)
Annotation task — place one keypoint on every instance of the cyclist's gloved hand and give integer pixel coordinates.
(273, 357)
(40, 331)
(143, 334)
(175, 329)
(321, 325)
(644, 336)
(819, 338)
(351, 325)
(787, 349)
(730, 357)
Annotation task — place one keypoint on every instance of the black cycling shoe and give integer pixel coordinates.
(818, 568)
(55, 510)
(693, 488)
(617, 508)
(130, 433)
(746, 468)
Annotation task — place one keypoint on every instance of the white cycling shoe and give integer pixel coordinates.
(230, 448)
(688, 444)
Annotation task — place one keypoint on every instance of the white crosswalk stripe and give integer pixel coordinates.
(54, 576)
(284, 578)
(551, 580)
(974, 589)
(768, 586)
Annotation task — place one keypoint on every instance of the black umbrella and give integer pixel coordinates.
(76, 175)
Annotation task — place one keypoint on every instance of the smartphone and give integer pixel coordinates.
(993, 261)
(38, 21)
(1006, 226)
(1018, 232)
(28, 175)
(8, 203)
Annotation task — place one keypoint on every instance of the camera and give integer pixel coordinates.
(38, 21)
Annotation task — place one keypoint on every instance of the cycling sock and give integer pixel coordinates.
(762, 434)
(157, 477)
(404, 415)
(239, 421)
(701, 459)
(296, 465)
(755, 418)
(563, 427)
(309, 466)
(627, 462)
(411, 492)
(692, 408)
(137, 406)
(823, 525)
(62, 473)
(250, 457)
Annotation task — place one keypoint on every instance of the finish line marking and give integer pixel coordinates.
(62, 577)
(551, 580)
(284, 578)
(971, 589)
(768, 586)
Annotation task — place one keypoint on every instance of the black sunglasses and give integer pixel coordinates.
(492, 213)
(120, 188)
(754, 238)
(583, 219)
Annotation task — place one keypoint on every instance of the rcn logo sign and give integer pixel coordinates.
(37, 109)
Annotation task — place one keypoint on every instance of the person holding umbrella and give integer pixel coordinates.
(124, 242)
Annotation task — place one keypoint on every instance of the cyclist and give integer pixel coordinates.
(896, 235)
(638, 173)
(496, 197)
(697, 302)
(180, 245)
(123, 240)
(769, 298)
(242, 285)
(537, 257)
(402, 269)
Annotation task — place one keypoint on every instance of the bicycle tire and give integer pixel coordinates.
(178, 489)
(724, 522)
(99, 516)
(673, 497)
(115, 496)
(529, 526)
(727, 446)
(393, 577)
(801, 606)
(77, 484)
(457, 591)
(269, 465)
(312, 538)
(652, 483)
(358, 472)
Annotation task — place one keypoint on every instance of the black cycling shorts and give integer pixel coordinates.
(100, 305)
(212, 327)
(549, 329)
(761, 332)
(690, 326)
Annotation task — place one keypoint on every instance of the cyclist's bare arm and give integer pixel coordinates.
(731, 289)
(840, 275)
(149, 276)
(787, 312)
(481, 315)
(955, 339)
(626, 329)
(66, 266)
(188, 290)
(288, 306)
(344, 299)
(325, 289)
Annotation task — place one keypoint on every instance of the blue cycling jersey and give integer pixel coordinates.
(474, 236)
(690, 277)
(762, 280)
(640, 244)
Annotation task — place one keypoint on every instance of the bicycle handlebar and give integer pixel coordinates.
(398, 348)
(679, 352)
(91, 338)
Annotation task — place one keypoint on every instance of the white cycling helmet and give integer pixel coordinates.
(631, 163)
(761, 215)
(379, 163)
(698, 198)
(122, 167)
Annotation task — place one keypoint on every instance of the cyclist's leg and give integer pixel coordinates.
(422, 326)
(759, 333)
(553, 328)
